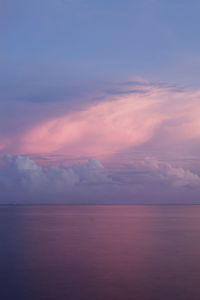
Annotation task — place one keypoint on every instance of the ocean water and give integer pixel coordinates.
(100, 252)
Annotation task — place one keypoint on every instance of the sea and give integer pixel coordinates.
(100, 252)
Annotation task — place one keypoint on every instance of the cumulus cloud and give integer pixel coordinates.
(21, 174)
(172, 175)
(24, 180)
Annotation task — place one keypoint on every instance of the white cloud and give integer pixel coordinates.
(22, 172)
(173, 175)
(23, 180)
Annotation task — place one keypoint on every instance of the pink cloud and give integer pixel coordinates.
(125, 119)
(105, 128)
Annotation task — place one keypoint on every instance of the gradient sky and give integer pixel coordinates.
(100, 98)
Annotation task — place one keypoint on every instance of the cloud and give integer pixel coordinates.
(23, 172)
(103, 128)
(22, 180)
(123, 92)
(157, 117)
(175, 176)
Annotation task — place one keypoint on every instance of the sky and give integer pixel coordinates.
(99, 101)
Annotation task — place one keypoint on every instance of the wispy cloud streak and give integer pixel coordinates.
(157, 117)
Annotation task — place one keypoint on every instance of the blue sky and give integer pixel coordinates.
(100, 40)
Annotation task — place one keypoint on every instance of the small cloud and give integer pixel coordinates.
(173, 175)
(122, 92)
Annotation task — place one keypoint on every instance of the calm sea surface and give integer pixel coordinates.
(100, 252)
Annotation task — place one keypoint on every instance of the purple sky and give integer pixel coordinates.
(99, 101)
